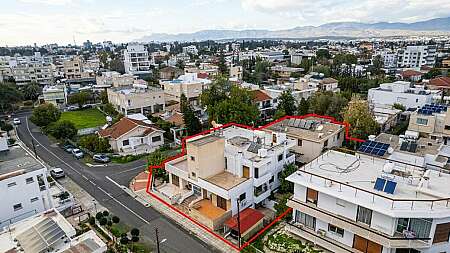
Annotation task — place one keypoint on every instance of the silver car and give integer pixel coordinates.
(77, 153)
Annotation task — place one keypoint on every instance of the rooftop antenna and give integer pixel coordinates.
(74, 43)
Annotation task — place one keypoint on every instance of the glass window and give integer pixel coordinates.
(336, 230)
(17, 207)
(156, 138)
(280, 157)
(421, 121)
(126, 143)
(305, 219)
(242, 197)
(29, 180)
(12, 184)
(34, 199)
(364, 215)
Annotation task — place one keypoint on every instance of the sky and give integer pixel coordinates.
(24, 22)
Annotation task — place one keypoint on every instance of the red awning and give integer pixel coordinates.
(248, 218)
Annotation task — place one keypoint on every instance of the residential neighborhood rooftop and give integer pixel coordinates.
(17, 159)
(226, 180)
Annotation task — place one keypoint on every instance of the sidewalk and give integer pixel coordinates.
(138, 191)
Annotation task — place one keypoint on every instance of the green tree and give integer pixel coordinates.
(287, 186)
(217, 92)
(9, 95)
(303, 107)
(287, 103)
(223, 68)
(104, 97)
(238, 108)
(432, 73)
(281, 206)
(156, 158)
(63, 129)
(327, 103)
(180, 64)
(399, 107)
(45, 114)
(79, 98)
(361, 122)
(262, 71)
(32, 91)
(191, 121)
(323, 54)
(183, 103)
(95, 143)
(325, 70)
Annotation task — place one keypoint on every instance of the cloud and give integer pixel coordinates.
(325, 11)
(47, 2)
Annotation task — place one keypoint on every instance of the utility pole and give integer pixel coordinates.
(157, 240)
(238, 222)
(34, 147)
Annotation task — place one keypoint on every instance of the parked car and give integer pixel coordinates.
(72, 108)
(16, 121)
(77, 153)
(68, 148)
(57, 173)
(101, 158)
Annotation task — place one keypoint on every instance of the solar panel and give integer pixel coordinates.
(297, 122)
(404, 146)
(379, 184)
(308, 124)
(302, 123)
(291, 122)
(390, 187)
(381, 152)
(412, 147)
(374, 148)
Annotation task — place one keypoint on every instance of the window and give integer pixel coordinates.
(441, 233)
(299, 142)
(364, 215)
(420, 227)
(156, 138)
(34, 199)
(305, 219)
(421, 121)
(339, 135)
(242, 197)
(12, 184)
(125, 142)
(271, 179)
(193, 174)
(17, 207)
(192, 158)
(311, 196)
(447, 127)
(245, 171)
(221, 203)
(340, 202)
(280, 157)
(129, 102)
(325, 144)
(256, 172)
(29, 180)
(336, 230)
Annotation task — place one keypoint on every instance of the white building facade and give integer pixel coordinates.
(136, 60)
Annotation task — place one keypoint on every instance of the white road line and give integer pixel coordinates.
(68, 165)
(114, 182)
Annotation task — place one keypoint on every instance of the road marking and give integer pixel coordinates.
(68, 165)
(128, 170)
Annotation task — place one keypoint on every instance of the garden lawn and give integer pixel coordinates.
(85, 118)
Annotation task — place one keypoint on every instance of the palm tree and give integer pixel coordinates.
(32, 91)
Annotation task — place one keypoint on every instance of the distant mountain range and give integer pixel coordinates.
(329, 30)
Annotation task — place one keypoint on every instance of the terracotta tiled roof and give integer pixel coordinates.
(442, 81)
(124, 125)
(328, 80)
(260, 96)
(248, 218)
(202, 75)
(176, 119)
(409, 73)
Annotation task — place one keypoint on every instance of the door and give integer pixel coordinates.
(366, 246)
(312, 196)
(221, 203)
(245, 171)
(175, 180)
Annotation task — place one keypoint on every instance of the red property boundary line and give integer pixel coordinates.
(183, 152)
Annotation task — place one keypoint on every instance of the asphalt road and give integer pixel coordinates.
(94, 181)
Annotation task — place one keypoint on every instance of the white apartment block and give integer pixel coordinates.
(138, 98)
(54, 94)
(319, 81)
(297, 57)
(24, 189)
(114, 79)
(417, 56)
(41, 73)
(311, 135)
(361, 203)
(388, 57)
(188, 84)
(401, 92)
(223, 167)
(136, 59)
(192, 49)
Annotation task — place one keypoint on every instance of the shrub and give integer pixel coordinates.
(115, 219)
(103, 221)
(109, 223)
(124, 240)
(135, 238)
(99, 215)
(105, 213)
(135, 232)
(62, 129)
(92, 220)
(45, 114)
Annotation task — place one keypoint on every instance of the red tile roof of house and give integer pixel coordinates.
(202, 75)
(409, 73)
(260, 96)
(248, 218)
(442, 81)
(176, 119)
(123, 126)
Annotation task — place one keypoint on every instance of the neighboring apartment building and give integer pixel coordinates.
(319, 82)
(24, 189)
(136, 60)
(360, 203)
(188, 84)
(73, 68)
(131, 136)
(417, 56)
(192, 49)
(286, 72)
(311, 135)
(297, 57)
(138, 98)
(114, 79)
(25, 73)
(401, 92)
(265, 104)
(55, 94)
(170, 73)
(221, 169)
(48, 232)
(432, 121)
(298, 90)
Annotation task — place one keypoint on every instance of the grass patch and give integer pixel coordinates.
(118, 229)
(85, 118)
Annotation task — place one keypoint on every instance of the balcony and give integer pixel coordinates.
(396, 241)
(262, 179)
(209, 215)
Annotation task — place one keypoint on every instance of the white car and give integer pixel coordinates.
(57, 173)
(77, 153)
(16, 121)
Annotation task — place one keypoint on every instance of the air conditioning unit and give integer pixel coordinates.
(322, 232)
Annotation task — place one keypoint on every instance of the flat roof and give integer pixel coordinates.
(225, 180)
(424, 145)
(322, 131)
(352, 177)
(17, 159)
(204, 140)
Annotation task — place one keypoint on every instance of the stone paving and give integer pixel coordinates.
(143, 197)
